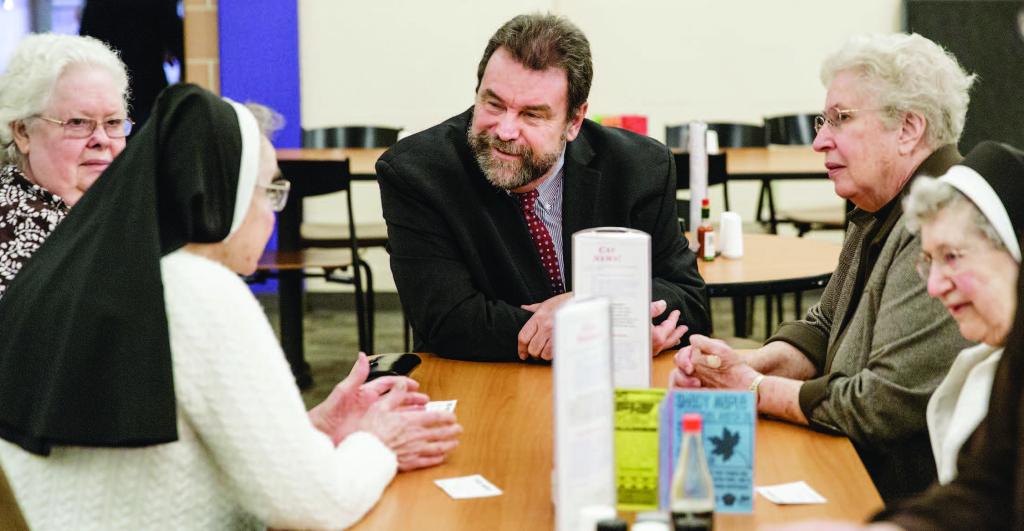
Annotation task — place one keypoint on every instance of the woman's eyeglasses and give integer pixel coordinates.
(836, 117)
(277, 193)
(949, 263)
(84, 127)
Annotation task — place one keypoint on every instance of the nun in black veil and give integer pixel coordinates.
(141, 385)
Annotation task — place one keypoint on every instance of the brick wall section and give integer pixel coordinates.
(202, 52)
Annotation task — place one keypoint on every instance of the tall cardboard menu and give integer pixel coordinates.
(584, 410)
(615, 263)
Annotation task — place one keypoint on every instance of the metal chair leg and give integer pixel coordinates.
(370, 306)
(772, 221)
(406, 333)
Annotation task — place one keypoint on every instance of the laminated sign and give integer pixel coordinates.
(730, 420)
(636, 448)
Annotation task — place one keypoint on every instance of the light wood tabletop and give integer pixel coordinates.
(772, 264)
(772, 162)
(361, 160)
(505, 409)
(740, 162)
(760, 161)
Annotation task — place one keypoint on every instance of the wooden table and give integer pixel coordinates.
(760, 163)
(361, 160)
(505, 409)
(765, 164)
(776, 162)
(770, 265)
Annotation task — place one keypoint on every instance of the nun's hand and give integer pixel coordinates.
(418, 437)
(340, 413)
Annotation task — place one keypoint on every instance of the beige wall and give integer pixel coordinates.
(413, 64)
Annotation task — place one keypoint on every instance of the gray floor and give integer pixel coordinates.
(331, 343)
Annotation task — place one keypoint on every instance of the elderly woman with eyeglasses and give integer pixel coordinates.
(63, 119)
(970, 220)
(865, 359)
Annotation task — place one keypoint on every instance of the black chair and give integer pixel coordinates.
(354, 136)
(293, 260)
(729, 135)
(367, 137)
(790, 129)
(796, 129)
(333, 235)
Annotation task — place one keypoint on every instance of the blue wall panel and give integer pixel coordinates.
(259, 61)
(259, 58)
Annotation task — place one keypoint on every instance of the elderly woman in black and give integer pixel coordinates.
(141, 386)
(63, 119)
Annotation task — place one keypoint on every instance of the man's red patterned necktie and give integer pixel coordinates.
(541, 239)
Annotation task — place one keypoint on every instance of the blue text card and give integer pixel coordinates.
(730, 421)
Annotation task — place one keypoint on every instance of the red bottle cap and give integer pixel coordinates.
(692, 422)
(705, 202)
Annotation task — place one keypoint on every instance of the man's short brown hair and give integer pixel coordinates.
(541, 41)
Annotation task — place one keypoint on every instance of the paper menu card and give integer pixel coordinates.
(583, 410)
(615, 263)
(636, 448)
(729, 425)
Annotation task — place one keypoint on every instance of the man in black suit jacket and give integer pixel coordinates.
(478, 279)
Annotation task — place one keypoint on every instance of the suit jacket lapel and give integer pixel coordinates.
(580, 186)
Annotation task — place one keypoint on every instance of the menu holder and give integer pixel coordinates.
(584, 471)
(730, 421)
(615, 263)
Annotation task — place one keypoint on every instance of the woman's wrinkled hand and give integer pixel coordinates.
(710, 363)
(341, 412)
(418, 437)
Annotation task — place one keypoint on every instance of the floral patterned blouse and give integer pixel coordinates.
(28, 214)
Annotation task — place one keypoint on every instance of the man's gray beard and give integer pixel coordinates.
(510, 174)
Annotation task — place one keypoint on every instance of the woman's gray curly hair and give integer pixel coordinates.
(908, 73)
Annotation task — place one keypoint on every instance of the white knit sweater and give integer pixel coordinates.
(247, 454)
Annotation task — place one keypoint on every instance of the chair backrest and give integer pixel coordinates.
(790, 129)
(716, 170)
(354, 136)
(309, 178)
(729, 135)
(682, 213)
